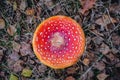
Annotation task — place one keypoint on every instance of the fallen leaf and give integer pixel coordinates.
(114, 8)
(49, 3)
(105, 20)
(1, 54)
(23, 4)
(86, 61)
(26, 72)
(102, 76)
(13, 77)
(117, 65)
(16, 46)
(72, 70)
(87, 4)
(2, 73)
(17, 67)
(116, 39)
(49, 78)
(100, 65)
(104, 49)
(14, 5)
(42, 68)
(2, 24)
(98, 40)
(26, 49)
(69, 78)
(11, 30)
(30, 12)
(111, 56)
(14, 56)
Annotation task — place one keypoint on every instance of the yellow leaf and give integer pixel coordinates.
(13, 77)
(14, 5)
(26, 73)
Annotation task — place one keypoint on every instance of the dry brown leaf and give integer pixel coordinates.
(23, 4)
(117, 65)
(26, 49)
(86, 61)
(98, 40)
(42, 68)
(111, 56)
(49, 78)
(104, 49)
(87, 4)
(2, 24)
(102, 76)
(17, 67)
(14, 56)
(116, 39)
(69, 78)
(11, 30)
(100, 65)
(72, 70)
(114, 8)
(16, 46)
(1, 54)
(48, 3)
(105, 20)
(30, 12)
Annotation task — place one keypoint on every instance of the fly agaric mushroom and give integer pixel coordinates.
(58, 42)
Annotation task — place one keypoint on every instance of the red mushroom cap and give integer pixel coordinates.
(58, 42)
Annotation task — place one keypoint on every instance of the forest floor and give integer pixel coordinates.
(100, 20)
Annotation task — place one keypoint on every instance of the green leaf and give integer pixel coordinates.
(26, 73)
(13, 77)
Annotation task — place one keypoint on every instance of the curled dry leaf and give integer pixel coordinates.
(86, 61)
(111, 57)
(49, 78)
(72, 70)
(116, 39)
(26, 72)
(11, 30)
(17, 67)
(105, 20)
(23, 4)
(104, 49)
(42, 68)
(14, 56)
(100, 65)
(69, 78)
(26, 49)
(16, 46)
(2, 24)
(1, 54)
(102, 76)
(30, 12)
(98, 40)
(49, 3)
(87, 4)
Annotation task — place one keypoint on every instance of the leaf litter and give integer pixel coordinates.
(100, 24)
